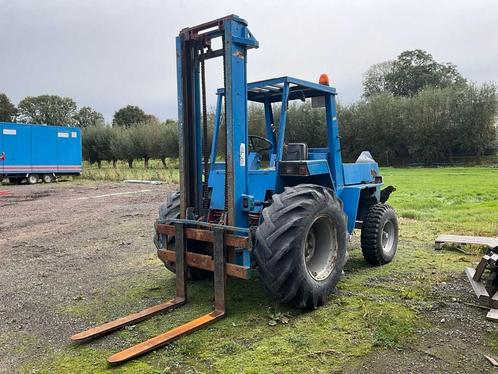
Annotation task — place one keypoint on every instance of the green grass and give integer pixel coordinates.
(375, 308)
(122, 171)
(454, 200)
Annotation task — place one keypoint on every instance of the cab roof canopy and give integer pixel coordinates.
(272, 89)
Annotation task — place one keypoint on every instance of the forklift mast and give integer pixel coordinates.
(193, 47)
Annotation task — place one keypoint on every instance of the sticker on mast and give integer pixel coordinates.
(242, 154)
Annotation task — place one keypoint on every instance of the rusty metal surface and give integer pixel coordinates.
(182, 259)
(164, 338)
(128, 320)
(205, 262)
(205, 235)
(219, 253)
(181, 268)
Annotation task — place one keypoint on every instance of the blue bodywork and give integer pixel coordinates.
(324, 165)
(251, 183)
(39, 149)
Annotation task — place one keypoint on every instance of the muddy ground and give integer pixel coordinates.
(71, 240)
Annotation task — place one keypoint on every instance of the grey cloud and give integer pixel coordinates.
(108, 54)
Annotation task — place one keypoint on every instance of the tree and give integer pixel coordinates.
(414, 70)
(146, 140)
(474, 111)
(122, 146)
(129, 116)
(8, 110)
(374, 80)
(87, 117)
(97, 144)
(168, 141)
(409, 74)
(47, 109)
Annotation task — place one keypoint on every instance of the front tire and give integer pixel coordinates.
(171, 209)
(301, 245)
(379, 234)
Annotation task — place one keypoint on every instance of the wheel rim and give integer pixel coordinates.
(32, 179)
(388, 235)
(320, 248)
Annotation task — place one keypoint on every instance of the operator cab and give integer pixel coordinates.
(272, 163)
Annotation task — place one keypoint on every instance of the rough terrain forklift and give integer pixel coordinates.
(250, 203)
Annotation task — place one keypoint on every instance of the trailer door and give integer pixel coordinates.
(44, 146)
(69, 150)
(16, 141)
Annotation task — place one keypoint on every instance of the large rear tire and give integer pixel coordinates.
(171, 209)
(379, 234)
(301, 245)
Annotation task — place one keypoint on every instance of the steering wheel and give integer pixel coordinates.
(255, 139)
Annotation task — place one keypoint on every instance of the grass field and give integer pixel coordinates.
(385, 310)
(155, 171)
(453, 199)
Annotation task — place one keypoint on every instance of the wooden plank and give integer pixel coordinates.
(236, 241)
(479, 289)
(492, 314)
(493, 303)
(479, 270)
(462, 239)
(205, 262)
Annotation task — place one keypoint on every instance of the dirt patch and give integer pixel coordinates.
(57, 243)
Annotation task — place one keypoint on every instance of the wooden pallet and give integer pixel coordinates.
(462, 239)
(488, 262)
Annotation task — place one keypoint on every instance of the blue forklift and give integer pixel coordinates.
(256, 204)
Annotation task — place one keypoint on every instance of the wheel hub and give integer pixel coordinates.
(387, 237)
(320, 248)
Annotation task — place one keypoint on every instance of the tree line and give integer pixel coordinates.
(413, 110)
(433, 126)
(147, 140)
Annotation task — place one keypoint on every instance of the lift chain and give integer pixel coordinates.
(205, 150)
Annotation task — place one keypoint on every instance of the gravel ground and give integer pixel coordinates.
(60, 241)
(454, 342)
(64, 240)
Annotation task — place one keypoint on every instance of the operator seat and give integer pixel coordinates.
(295, 152)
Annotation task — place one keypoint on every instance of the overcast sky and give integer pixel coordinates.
(110, 53)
